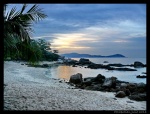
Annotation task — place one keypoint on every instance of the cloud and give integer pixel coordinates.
(94, 28)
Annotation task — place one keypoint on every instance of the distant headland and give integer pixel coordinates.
(77, 55)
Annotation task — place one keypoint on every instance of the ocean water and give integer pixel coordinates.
(64, 72)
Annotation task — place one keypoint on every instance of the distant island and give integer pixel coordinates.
(77, 55)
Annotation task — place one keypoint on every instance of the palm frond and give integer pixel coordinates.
(9, 16)
(17, 29)
(23, 8)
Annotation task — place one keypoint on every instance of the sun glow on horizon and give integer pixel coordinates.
(70, 41)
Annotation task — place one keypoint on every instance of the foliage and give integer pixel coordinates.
(17, 42)
(47, 53)
(17, 30)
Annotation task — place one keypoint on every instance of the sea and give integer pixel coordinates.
(64, 72)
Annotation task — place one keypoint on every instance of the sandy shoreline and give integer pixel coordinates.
(27, 88)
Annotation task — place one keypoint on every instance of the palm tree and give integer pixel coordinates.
(18, 27)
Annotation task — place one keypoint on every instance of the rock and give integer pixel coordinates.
(123, 85)
(125, 69)
(105, 62)
(127, 92)
(110, 68)
(88, 82)
(84, 61)
(132, 87)
(138, 64)
(116, 65)
(99, 78)
(120, 94)
(139, 76)
(141, 87)
(96, 87)
(76, 79)
(45, 65)
(74, 66)
(138, 97)
(94, 66)
(110, 82)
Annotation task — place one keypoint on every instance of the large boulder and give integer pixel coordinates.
(141, 87)
(138, 97)
(84, 61)
(120, 94)
(132, 87)
(99, 78)
(110, 82)
(138, 64)
(76, 78)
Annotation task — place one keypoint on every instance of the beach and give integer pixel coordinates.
(27, 88)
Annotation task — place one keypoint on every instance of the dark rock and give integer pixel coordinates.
(84, 61)
(141, 76)
(88, 82)
(45, 65)
(99, 78)
(94, 66)
(127, 92)
(138, 64)
(116, 65)
(74, 66)
(120, 94)
(138, 97)
(125, 69)
(96, 87)
(89, 88)
(110, 68)
(71, 62)
(110, 82)
(89, 78)
(132, 87)
(76, 79)
(105, 62)
(112, 90)
(141, 87)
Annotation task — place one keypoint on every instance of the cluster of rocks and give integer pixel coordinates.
(135, 91)
(39, 65)
(89, 64)
(141, 76)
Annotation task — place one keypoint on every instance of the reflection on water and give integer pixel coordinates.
(64, 72)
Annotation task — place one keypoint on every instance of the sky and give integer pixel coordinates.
(99, 29)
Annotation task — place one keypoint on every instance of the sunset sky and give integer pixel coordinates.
(100, 29)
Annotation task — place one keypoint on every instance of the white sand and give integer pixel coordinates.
(29, 89)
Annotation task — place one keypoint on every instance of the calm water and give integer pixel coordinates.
(64, 72)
